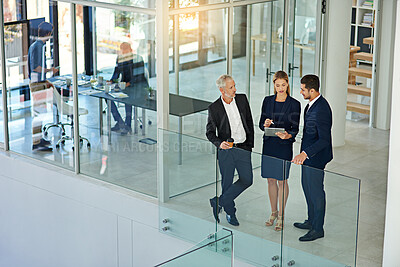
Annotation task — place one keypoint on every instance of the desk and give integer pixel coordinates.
(179, 106)
(263, 38)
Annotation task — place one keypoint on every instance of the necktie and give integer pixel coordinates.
(305, 110)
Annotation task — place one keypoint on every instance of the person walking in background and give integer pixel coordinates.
(278, 111)
(41, 89)
(316, 152)
(230, 128)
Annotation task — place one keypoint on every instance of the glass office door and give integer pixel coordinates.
(302, 42)
(257, 49)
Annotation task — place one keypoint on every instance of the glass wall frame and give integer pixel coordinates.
(163, 15)
(72, 69)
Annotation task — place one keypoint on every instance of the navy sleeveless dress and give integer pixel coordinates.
(275, 151)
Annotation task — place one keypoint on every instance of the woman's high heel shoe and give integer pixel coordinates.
(279, 224)
(271, 219)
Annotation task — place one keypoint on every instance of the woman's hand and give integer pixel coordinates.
(284, 135)
(268, 123)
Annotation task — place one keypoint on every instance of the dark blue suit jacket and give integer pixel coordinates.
(317, 137)
(289, 118)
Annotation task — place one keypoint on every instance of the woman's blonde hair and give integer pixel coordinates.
(281, 75)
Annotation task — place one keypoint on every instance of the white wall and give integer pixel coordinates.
(51, 217)
(391, 255)
(384, 61)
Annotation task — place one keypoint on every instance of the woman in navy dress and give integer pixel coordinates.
(278, 111)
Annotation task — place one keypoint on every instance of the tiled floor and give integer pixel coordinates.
(339, 245)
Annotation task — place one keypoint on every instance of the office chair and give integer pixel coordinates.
(57, 123)
(64, 108)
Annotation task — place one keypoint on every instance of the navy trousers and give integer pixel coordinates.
(117, 117)
(229, 160)
(312, 181)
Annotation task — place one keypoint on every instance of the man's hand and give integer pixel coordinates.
(300, 158)
(224, 145)
(284, 135)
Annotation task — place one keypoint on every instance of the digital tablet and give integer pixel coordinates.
(273, 131)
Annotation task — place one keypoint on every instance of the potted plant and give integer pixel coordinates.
(152, 93)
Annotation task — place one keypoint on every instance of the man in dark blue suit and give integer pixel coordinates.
(316, 152)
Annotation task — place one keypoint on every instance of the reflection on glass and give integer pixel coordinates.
(189, 208)
(117, 90)
(37, 104)
(202, 52)
(134, 3)
(184, 155)
(302, 42)
(12, 10)
(16, 50)
(39, 9)
(257, 52)
(215, 250)
(338, 247)
(197, 58)
(191, 3)
(64, 37)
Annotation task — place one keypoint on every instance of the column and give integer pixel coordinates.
(384, 42)
(336, 42)
(391, 255)
(162, 45)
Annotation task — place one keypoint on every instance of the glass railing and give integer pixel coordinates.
(215, 250)
(187, 182)
(185, 210)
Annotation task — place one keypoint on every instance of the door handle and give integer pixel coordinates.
(291, 68)
(267, 74)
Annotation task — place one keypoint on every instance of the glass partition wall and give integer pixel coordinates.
(39, 108)
(206, 39)
(187, 214)
(120, 121)
(109, 52)
(82, 88)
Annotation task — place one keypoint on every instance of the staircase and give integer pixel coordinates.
(354, 71)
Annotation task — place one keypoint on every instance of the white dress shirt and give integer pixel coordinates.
(313, 101)
(309, 106)
(237, 130)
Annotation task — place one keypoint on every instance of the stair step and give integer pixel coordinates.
(359, 108)
(368, 40)
(354, 48)
(358, 90)
(364, 56)
(360, 72)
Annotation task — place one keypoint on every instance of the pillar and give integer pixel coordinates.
(336, 42)
(384, 63)
(391, 255)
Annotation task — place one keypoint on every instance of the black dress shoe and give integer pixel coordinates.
(232, 219)
(306, 225)
(311, 236)
(216, 210)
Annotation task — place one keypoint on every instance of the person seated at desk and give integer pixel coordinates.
(131, 69)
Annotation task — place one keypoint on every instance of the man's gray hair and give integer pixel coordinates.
(221, 81)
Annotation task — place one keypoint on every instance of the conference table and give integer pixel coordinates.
(138, 97)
